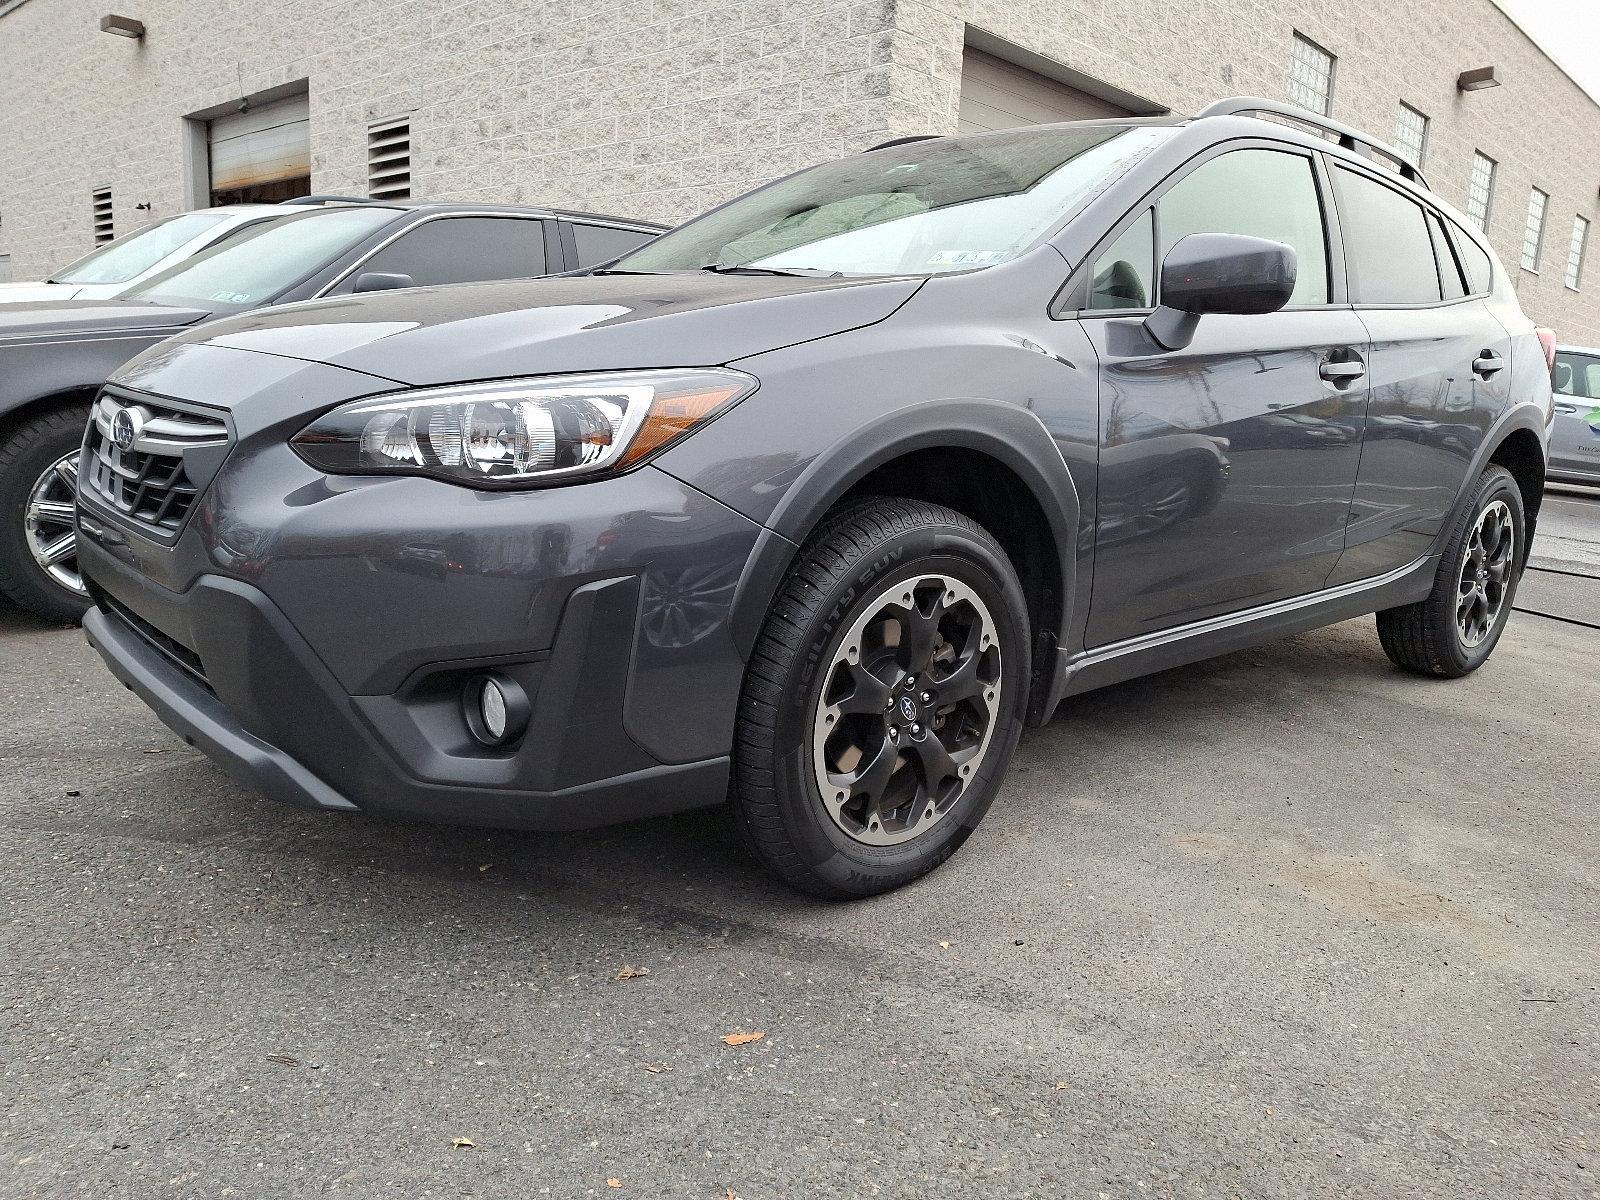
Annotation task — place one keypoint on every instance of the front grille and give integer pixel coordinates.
(133, 458)
(174, 651)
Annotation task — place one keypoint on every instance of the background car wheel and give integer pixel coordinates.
(883, 700)
(1455, 629)
(38, 545)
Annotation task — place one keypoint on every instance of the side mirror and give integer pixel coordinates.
(380, 281)
(1219, 273)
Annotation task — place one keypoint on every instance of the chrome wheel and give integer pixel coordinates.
(47, 523)
(1485, 574)
(907, 710)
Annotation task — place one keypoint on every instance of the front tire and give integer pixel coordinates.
(38, 542)
(883, 700)
(1453, 632)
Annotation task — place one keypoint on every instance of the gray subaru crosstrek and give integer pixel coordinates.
(814, 503)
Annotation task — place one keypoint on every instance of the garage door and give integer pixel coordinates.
(996, 94)
(262, 155)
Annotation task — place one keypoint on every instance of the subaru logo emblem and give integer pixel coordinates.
(908, 708)
(126, 427)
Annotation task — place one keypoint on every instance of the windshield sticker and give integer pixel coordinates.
(231, 297)
(967, 258)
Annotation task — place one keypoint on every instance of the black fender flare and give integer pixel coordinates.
(1524, 415)
(1013, 436)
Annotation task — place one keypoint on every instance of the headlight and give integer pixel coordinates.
(522, 431)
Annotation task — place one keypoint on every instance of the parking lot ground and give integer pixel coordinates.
(1287, 923)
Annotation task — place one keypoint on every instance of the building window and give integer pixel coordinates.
(100, 206)
(1531, 236)
(389, 160)
(1480, 189)
(1311, 76)
(1411, 134)
(1580, 242)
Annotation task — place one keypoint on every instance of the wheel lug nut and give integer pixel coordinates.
(911, 681)
(927, 696)
(916, 730)
(894, 733)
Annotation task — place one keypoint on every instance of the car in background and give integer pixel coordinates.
(135, 257)
(55, 356)
(1575, 437)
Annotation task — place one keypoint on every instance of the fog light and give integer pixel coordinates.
(496, 709)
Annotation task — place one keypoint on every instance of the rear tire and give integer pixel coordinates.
(908, 708)
(1453, 632)
(30, 491)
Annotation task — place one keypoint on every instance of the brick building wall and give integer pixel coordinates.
(659, 108)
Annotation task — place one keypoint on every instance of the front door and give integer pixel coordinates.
(1226, 467)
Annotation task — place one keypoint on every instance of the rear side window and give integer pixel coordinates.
(1475, 261)
(1388, 252)
(602, 243)
(1450, 281)
(1258, 193)
(463, 250)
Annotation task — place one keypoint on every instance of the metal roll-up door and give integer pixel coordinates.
(263, 154)
(996, 94)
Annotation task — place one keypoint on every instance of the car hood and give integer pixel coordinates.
(70, 318)
(547, 326)
(21, 293)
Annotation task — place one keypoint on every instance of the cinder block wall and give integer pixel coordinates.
(660, 108)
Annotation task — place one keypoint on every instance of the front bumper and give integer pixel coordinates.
(277, 721)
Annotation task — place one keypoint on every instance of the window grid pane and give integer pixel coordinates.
(1311, 76)
(1580, 241)
(1411, 133)
(1480, 190)
(1535, 230)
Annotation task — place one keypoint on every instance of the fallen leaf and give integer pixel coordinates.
(1061, 1087)
(739, 1039)
(657, 1068)
(462, 1143)
(484, 866)
(614, 1183)
(730, 1195)
(944, 945)
(633, 972)
(287, 1060)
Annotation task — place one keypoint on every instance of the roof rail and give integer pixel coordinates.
(304, 200)
(1347, 136)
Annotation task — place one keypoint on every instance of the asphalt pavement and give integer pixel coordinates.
(1287, 923)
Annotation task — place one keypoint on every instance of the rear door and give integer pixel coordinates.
(1575, 439)
(1226, 467)
(1438, 369)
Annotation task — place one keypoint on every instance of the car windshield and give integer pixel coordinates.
(133, 253)
(261, 262)
(924, 208)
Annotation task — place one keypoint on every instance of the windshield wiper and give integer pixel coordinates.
(802, 272)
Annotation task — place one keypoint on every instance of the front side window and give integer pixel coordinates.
(134, 253)
(602, 243)
(925, 208)
(254, 267)
(1259, 193)
(461, 250)
(1388, 253)
(1577, 375)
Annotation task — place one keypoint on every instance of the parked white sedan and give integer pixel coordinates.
(137, 256)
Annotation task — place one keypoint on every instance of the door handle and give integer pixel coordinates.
(1487, 363)
(1342, 372)
(1570, 410)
